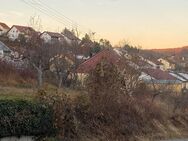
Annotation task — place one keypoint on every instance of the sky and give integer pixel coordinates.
(147, 23)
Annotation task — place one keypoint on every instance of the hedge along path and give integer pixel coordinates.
(25, 118)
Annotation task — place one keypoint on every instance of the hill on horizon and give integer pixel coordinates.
(178, 50)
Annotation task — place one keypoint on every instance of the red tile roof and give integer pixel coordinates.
(54, 34)
(159, 74)
(24, 29)
(108, 54)
(5, 26)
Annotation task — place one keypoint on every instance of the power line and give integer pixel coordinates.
(54, 14)
(41, 3)
(46, 12)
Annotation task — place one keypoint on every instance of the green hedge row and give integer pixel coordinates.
(18, 117)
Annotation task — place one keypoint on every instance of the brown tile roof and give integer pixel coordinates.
(24, 29)
(108, 54)
(54, 34)
(159, 74)
(5, 26)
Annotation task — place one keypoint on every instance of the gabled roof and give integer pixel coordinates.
(159, 74)
(24, 29)
(4, 26)
(107, 54)
(142, 63)
(53, 34)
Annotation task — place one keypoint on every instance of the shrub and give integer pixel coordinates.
(117, 109)
(63, 113)
(25, 118)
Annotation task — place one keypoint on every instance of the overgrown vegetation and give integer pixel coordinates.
(117, 108)
(12, 76)
(115, 105)
(109, 109)
(20, 117)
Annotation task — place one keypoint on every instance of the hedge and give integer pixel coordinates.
(19, 117)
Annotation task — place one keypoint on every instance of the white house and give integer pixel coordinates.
(52, 37)
(183, 77)
(16, 30)
(155, 63)
(167, 65)
(3, 28)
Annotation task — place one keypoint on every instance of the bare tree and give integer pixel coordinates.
(35, 22)
(74, 49)
(62, 66)
(39, 54)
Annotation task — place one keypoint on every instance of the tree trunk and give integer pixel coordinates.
(40, 77)
(60, 80)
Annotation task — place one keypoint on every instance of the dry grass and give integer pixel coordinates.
(11, 92)
(16, 93)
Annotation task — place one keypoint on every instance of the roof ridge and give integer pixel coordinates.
(94, 56)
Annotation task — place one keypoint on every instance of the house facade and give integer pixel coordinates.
(16, 30)
(167, 65)
(155, 64)
(160, 80)
(89, 65)
(52, 37)
(183, 77)
(3, 29)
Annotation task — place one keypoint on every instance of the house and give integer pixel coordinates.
(183, 77)
(52, 37)
(4, 50)
(155, 63)
(179, 61)
(70, 37)
(3, 28)
(16, 31)
(161, 80)
(143, 64)
(167, 64)
(108, 55)
(123, 52)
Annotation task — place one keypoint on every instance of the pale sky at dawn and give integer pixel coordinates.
(148, 23)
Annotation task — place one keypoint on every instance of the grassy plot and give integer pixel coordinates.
(12, 93)
(19, 93)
